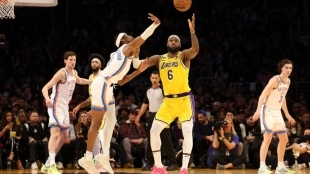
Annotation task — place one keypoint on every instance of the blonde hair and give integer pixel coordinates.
(232, 125)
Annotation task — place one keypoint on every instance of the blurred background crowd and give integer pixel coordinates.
(241, 42)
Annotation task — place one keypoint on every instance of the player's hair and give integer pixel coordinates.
(98, 56)
(68, 54)
(282, 63)
(155, 72)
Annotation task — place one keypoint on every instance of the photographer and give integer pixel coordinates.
(225, 142)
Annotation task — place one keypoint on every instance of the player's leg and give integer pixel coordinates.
(187, 122)
(105, 137)
(280, 129)
(164, 117)
(98, 108)
(267, 123)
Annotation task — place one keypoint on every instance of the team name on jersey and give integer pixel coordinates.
(71, 82)
(169, 64)
(280, 89)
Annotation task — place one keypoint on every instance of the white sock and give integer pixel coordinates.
(89, 156)
(52, 158)
(185, 161)
(263, 164)
(281, 164)
(47, 163)
(157, 159)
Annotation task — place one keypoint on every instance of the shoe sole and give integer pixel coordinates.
(88, 170)
(108, 169)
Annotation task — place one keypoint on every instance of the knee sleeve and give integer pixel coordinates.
(187, 129)
(156, 129)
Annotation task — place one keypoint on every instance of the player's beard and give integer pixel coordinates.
(173, 50)
(95, 70)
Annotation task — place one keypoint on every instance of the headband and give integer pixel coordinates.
(118, 40)
(96, 59)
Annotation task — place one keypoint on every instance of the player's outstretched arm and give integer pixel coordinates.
(80, 80)
(84, 104)
(138, 41)
(153, 60)
(143, 66)
(193, 51)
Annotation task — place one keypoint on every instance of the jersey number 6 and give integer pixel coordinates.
(170, 75)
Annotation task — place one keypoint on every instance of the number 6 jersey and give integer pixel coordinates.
(173, 74)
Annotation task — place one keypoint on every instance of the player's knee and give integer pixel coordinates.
(187, 128)
(157, 127)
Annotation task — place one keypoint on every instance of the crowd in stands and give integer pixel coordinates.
(37, 39)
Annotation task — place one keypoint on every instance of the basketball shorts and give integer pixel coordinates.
(101, 94)
(272, 120)
(59, 115)
(172, 108)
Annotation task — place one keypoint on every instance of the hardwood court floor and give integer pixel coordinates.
(138, 171)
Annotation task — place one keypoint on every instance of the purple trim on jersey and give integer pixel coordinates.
(192, 98)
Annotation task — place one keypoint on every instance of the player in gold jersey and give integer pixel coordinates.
(174, 69)
(97, 62)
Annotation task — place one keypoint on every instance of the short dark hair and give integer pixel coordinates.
(155, 72)
(68, 54)
(99, 56)
(282, 63)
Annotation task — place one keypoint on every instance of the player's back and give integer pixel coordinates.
(117, 67)
(275, 99)
(173, 74)
(62, 92)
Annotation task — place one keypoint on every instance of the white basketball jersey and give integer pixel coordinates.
(275, 99)
(117, 67)
(62, 92)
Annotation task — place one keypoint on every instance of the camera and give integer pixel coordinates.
(219, 124)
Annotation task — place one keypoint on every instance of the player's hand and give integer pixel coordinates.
(256, 116)
(75, 110)
(154, 18)
(49, 103)
(290, 119)
(88, 114)
(143, 66)
(137, 121)
(191, 23)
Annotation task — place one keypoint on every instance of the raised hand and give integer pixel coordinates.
(154, 18)
(191, 23)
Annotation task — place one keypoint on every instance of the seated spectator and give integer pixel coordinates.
(36, 134)
(225, 142)
(10, 142)
(81, 132)
(132, 136)
(203, 136)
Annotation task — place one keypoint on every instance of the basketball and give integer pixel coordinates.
(182, 5)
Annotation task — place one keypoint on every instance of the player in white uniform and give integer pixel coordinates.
(63, 84)
(268, 109)
(115, 72)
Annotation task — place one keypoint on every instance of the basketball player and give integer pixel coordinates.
(152, 100)
(96, 63)
(178, 102)
(63, 84)
(114, 72)
(270, 102)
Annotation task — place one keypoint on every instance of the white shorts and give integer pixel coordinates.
(59, 116)
(272, 120)
(102, 93)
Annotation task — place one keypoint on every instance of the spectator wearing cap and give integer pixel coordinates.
(132, 136)
(203, 135)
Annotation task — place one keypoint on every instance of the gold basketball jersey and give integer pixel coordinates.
(91, 78)
(173, 74)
